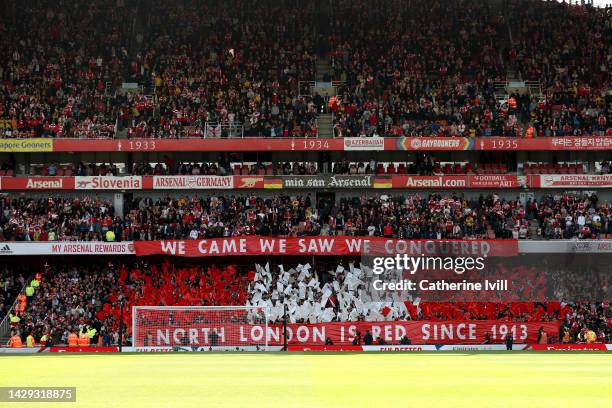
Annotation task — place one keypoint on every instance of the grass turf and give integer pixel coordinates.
(291, 380)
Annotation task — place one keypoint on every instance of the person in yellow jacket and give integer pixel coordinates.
(14, 319)
(110, 236)
(91, 332)
(591, 337)
(30, 341)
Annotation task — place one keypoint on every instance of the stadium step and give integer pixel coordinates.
(325, 125)
(323, 69)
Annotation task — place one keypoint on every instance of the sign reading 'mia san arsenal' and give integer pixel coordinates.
(360, 181)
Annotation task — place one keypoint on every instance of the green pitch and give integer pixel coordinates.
(319, 380)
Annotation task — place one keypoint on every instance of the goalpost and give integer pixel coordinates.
(199, 328)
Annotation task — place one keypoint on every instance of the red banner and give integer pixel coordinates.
(249, 182)
(494, 181)
(342, 333)
(256, 245)
(37, 183)
(429, 182)
(280, 144)
(197, 145)
(544, 143)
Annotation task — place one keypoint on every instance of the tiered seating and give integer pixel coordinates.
(548, 168)
(312, 294)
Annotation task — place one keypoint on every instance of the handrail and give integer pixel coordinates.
(5, 325)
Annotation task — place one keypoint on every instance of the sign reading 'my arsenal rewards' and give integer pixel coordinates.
(192, 182)
(108, 183)
(256, 245)
(343, 333)
(573, 180)
(66, 248)
(361, 181)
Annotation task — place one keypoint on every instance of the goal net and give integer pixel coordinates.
(199, 328)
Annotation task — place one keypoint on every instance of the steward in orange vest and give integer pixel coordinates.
(73, 340)
(83, 338)
(15, 341)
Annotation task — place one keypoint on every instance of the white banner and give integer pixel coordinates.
(565, 246)
(192, 182)
(107, 183)
(22, 350)
(66, 248)
(575, 180)
(364, 143)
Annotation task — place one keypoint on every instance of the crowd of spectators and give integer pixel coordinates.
(434, 216)
(57, 60)
(57, 219)
(222, 69)
(217, 68)
(566, 48)
(407, 217)
(73, 295)
(409, 70)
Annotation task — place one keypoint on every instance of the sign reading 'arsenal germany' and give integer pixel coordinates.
(192, 182)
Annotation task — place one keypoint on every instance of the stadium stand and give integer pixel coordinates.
(209, 79)
(434, 216)
(402, 90)
(72, 296)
